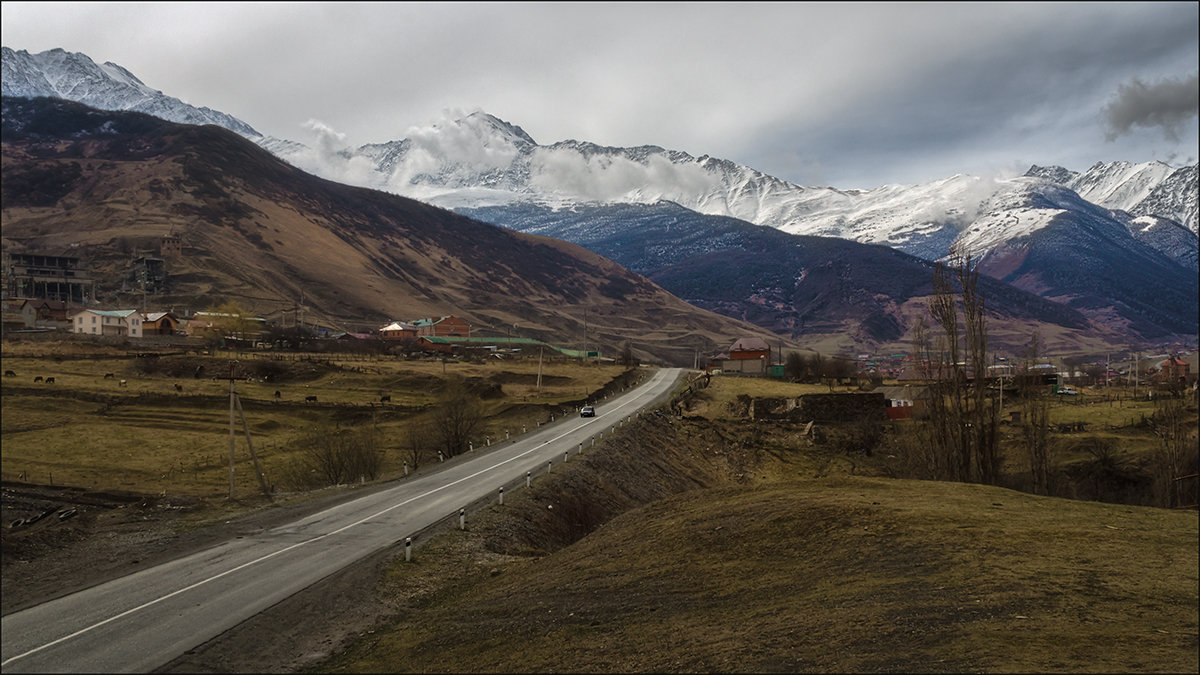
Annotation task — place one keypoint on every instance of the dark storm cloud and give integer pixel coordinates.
(1168, 105)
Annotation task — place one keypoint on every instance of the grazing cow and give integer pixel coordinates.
(178, 387)
(310, 399)
(277, 393)
(122, 383)
(108, 376)
(49, 380)
(385, 399)
(9, 373)
(38, 378)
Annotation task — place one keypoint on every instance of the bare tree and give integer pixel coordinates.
(457, 415)
(420, 443)
(793, 366)
(334, 456)
(1035, 422)
(1171, 461)
(963, 434)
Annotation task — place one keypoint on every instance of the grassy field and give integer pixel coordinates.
(787, 573)
(706, 543)
(155, 427)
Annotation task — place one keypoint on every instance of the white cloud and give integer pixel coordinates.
(328, 156)
(567, 172)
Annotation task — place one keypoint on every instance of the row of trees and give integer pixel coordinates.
(959, 438)
(960, 433)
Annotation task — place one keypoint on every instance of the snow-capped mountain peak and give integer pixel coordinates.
(76, 77)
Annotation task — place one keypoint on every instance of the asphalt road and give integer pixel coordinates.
(142, 621)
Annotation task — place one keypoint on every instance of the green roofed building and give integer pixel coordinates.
(452, 343)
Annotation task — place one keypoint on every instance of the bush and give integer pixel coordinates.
(335, 456)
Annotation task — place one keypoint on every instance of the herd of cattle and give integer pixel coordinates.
(178, 387)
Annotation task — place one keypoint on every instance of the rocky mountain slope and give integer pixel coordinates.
(812, 288)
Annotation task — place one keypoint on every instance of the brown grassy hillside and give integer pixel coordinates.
(105, 186)
(711, 548)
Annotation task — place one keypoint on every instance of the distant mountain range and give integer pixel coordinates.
(1052, 232)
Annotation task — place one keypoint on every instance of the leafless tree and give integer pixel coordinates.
(457, 415)
(962, 423)
(420, 443)
(1035, 422)
(1176, 452)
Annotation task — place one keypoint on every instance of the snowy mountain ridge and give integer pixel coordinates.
(75, 77)
(478, 160)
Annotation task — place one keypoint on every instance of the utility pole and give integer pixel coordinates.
(539, 378)
(231, 436)
(235, 401)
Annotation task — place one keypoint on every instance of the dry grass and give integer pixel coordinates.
(833, 575)
(146, 436)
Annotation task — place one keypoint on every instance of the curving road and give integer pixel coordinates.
(142, 621)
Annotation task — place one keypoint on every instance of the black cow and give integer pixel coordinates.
(9, 373)
(277, 394)
(385, 399)
(310, 399)
(178, 387)
(38, 378)
(49, 380)
(108, 376)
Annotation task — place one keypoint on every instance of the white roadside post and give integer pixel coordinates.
(528, 475)
(501, 496)
(407, 549)
(462, 519)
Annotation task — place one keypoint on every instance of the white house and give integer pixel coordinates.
(127, 322)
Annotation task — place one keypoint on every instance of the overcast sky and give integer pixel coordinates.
(849, 95)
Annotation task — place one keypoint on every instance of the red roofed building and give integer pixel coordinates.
(1174, 371)
(749, 355)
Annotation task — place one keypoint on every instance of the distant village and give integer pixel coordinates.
(44, 293)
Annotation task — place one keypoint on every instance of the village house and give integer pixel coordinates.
(160, 323)
(45, 313)
(398, 330)
(123, 322)
(1174, 371)
(747, 355)
(447, 326)
(905, 401)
